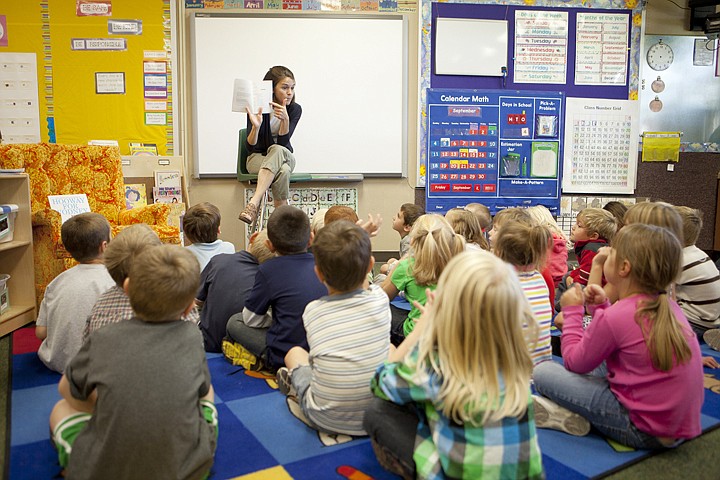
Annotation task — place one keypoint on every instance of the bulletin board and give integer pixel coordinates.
(76, 105)
(500, 148)
(559, 32)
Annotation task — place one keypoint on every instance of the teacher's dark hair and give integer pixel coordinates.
(277, 74)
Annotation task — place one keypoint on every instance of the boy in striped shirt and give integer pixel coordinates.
(348, 332)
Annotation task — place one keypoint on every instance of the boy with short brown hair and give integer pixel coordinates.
(70, 297)
(137, 398)
(201, 225)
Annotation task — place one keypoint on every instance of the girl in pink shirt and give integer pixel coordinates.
(651, 394)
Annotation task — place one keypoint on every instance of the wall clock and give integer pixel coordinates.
(660, 56)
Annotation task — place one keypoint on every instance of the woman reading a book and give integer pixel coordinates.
(268, 142)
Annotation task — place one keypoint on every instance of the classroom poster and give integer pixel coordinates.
(496, 147)
(541, 44)
(601, 146)
(20, 112)
(602, 43)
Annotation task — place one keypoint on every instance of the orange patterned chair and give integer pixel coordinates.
(69, 169)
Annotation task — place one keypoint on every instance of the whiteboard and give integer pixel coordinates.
(469, 46)
(351, 81)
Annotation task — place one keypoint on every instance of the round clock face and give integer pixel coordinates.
(660, 56)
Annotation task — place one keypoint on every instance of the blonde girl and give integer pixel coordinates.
(433, 243)
(525, 247)
(509, 214)
(462, 376)
(467, 224)
(653, 390)
(557, 257)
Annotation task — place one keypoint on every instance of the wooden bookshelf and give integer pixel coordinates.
(16, 256)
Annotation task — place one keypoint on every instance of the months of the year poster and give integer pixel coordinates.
(601, 146)
(497, 147)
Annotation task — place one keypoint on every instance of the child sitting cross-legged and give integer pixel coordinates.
(348, 332)
(635, 373)
(285, 284)
(137, 401)
(454, 401)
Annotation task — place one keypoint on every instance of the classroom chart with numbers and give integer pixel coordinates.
(496, 147)
(601, 146)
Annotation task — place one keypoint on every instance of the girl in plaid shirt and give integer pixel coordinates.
(454, 399)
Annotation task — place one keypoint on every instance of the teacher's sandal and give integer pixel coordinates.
(248, 215)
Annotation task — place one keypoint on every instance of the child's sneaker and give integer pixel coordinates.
(240, 356)
(284, 381)
(549, 414)
(712, 338)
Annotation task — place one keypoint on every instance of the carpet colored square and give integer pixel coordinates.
(260, 439)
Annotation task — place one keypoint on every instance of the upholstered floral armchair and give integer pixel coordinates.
(70, 169)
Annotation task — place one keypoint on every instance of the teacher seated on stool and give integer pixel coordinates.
(268, 142)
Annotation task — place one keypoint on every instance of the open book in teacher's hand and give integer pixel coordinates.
(253, 95)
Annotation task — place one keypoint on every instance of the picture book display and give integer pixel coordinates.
(135, 195)
(168, 186)
(496, 147)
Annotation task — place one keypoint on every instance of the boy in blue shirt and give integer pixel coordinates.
(286, 283)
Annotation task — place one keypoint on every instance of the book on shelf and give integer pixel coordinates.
(135, 195)
(137, 148)
(69, 205)
(252, 95)
(168, 187)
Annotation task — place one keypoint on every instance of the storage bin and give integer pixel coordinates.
(7, 222)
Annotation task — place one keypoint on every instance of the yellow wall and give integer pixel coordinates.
(81, 114)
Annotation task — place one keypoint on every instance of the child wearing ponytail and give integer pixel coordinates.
(651, 393)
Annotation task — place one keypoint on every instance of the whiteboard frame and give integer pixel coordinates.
(458, 48)
(367, 130)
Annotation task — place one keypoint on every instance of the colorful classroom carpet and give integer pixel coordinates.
(260, 439)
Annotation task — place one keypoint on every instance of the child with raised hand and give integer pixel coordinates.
(348, 332)
(467, 224)
(137, 398)
(652, 392)
(525, 247)
(558, 252)
(433, 243)
(454, 400)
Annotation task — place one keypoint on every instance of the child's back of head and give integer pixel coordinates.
(340, 212)
(466, 223)
(482, 213)
(542, 216)
(692, 224)
(162, 283)
(343, 255)
(83, 236)
(318, 220)
(434, 243)
(523, 245)
(128, 243)
(258, 248)
(474, 335)
(288, 230)
(597, 220)
(618, 210)
(656, 213)
(201, 223)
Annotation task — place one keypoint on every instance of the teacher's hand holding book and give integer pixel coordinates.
(255, 118)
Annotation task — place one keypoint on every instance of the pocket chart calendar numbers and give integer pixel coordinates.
(601, 146)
